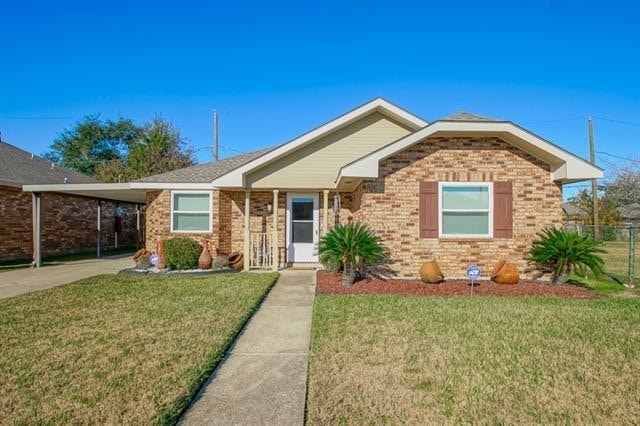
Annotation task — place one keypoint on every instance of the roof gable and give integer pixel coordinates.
(565, 166)
(236, 178)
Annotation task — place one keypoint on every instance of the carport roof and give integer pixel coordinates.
(19, 167)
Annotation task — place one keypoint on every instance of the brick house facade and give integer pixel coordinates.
(465, 189)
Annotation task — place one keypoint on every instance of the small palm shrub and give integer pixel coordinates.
(566, 251)
(351, 246)
(182, 253)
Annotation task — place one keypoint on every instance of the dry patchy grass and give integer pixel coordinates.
(392, 359)
(118, 349)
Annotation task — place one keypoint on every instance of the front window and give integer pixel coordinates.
(465, 209)
(191, 211)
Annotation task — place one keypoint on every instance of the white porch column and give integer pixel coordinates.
(37, 245)
(325, 212)
(247, 210)
(274, 236)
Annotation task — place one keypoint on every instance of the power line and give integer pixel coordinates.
(19, 117)
(618, 157)
(630, 123)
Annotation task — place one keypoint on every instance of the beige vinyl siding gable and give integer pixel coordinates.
(317, 165)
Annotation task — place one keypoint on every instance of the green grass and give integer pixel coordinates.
(616, 260)
(496, 360)
(602, 286)
(118, 349)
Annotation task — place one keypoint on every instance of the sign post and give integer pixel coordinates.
(473, 273)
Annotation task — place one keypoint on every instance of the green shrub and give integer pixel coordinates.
(351, 246)
(566, 251)
(182, 253)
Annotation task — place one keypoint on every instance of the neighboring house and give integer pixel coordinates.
(68, 222)
(464, 189)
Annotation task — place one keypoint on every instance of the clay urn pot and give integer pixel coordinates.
(205, 259)
(138, 255)
(497, 268)
(236, 260)
(508, 274)
(162, 262)
(430, 272)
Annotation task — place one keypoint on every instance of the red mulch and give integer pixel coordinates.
(331, 283)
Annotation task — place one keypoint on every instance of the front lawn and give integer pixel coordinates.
(426, 360)
(118, 349)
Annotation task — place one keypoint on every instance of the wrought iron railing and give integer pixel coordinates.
(260, 250)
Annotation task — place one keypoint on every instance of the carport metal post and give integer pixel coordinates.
(138, 239)
(37, 252)
(98, 228)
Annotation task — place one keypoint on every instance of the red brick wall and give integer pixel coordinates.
(390, 206)
(158, 217)
(15, 224)
(68, 224)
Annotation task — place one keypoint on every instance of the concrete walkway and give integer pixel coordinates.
(263, 378)
(19, 281)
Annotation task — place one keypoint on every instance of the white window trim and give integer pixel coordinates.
(172, 211)
(441, 210)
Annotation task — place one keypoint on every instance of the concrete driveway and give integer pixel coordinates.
(19, 281)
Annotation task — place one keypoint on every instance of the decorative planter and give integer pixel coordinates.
(506, 274)
(430, 272)
(162, 262)
(236, 260)
(205, 260)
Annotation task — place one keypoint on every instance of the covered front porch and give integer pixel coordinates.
(282, 228)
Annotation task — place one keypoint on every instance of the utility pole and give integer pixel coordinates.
(594, 185)
(215, 135)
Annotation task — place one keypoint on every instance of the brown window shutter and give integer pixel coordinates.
(428, 209)
(502, 210)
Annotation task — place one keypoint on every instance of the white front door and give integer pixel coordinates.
(302, 227)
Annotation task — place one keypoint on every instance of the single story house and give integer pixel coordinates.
(68, 223)
(463, 189)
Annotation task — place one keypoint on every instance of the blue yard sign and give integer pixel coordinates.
(473, 272)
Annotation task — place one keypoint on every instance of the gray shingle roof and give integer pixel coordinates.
(205, 173)
(467, 116)
(17, 168)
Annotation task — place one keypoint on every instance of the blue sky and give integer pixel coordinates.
(274, 69)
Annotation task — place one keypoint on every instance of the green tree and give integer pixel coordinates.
(120, 150)
(607, 208)
(92, 142)
(159, 148)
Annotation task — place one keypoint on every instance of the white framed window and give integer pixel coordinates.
(191, 211)
(465, 209)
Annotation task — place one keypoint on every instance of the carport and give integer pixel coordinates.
(123, 192)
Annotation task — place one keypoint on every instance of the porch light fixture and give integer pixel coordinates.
(269, 207)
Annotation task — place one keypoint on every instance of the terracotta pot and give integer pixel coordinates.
(508, 274)
(497, 268)
(236, 260)
(141, 259)
(162, 262)
(205, 259)
(430, 272)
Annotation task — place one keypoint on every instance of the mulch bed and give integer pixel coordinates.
(331, 283)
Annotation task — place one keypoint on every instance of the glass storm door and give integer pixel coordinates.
(302, 227)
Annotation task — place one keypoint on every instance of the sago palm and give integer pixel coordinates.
(567, 251)
(350, 246)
